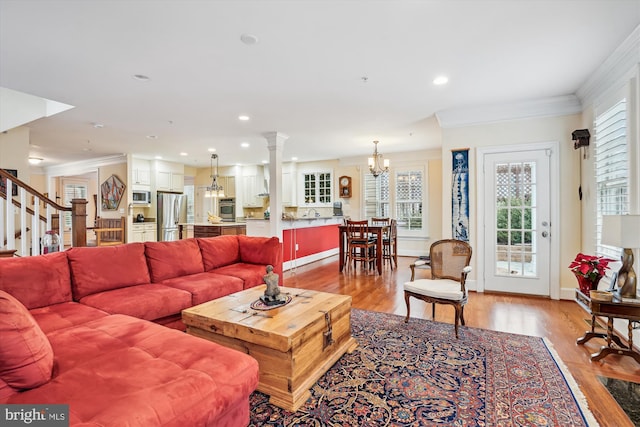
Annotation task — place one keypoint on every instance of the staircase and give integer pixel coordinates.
(26, 215)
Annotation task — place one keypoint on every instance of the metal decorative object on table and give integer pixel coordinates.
(272, 297)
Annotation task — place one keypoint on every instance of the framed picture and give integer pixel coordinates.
(111, 191)
(3, 182)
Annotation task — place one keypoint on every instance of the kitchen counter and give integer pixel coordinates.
(205, 229)
(208, 224)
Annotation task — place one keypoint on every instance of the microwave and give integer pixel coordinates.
(141, 197)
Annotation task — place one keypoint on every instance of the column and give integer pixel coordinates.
(275, 144)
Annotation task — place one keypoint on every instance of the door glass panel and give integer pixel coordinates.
(515, 215)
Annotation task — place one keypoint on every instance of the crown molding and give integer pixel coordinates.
(613, 69)
(484, 114)
(83, 166)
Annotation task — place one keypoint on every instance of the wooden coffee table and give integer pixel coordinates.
(294, 344)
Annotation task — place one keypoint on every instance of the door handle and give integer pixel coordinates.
(545, 234)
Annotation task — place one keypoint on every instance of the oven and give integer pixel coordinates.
(227, 209)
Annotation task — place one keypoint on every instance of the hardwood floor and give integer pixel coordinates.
(562, 322)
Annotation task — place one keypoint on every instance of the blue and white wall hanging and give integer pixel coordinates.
(460, 194)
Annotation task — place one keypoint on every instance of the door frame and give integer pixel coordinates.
(554, 207)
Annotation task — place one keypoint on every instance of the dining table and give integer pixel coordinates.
(376, 230)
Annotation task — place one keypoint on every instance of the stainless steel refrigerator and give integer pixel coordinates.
(172, 210)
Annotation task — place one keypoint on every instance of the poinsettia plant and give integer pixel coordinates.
(590, 266)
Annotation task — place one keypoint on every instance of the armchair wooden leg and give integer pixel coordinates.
(462, 315)
(433, 311)
(406, 300)
(457, 320)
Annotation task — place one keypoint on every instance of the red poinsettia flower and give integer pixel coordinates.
(590, 266)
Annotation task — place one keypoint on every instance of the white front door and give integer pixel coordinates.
(517, 222)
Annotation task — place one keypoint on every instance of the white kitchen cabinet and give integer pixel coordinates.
(250, 190)
(287, 189)
(141, 174)
(145, 232)
(168, 176)
(228, 185)
(169, 181)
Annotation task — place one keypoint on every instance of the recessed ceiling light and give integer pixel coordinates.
(158, 157)
(440, 80)
(264, 162)
(294, 159)
(184, 154)
(35, 160)
(141, 77)
(98, 125)
(211, 150)
(243, 118)
(249, 39)
(152, 136)
(244, 145)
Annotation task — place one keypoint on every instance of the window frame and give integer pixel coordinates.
(318, 187)
(393, 201)
(76, 183)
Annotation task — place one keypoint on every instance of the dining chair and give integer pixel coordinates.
(390, 244)
(450, 260)
(360, 245)
(110, 231)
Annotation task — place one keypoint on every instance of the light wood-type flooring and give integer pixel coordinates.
(562, 322)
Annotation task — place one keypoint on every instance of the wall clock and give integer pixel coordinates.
(345, 186)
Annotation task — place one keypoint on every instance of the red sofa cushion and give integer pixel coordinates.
(26, 356)
(251, 274)
(103, 268)
(120, 371)
(37, 281)
(259, 250)
(263, 251)
(149, 302)
(173, 259)
(219, 251)
(65, 315)
(206, 286)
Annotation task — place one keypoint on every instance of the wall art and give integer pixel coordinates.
(460, 194)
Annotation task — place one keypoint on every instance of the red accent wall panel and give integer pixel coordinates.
(310, 241)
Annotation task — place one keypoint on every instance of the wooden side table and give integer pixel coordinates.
(618, 308)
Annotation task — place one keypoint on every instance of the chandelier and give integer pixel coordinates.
(215, 188)
(377, 165)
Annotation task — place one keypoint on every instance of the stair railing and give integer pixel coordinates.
(36, 214)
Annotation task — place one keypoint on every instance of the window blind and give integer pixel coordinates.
(611, 170)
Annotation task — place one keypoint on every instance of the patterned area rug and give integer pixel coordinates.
(418, 374)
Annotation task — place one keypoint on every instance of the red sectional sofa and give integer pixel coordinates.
(86, 327)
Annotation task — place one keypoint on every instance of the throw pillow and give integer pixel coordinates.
(26, 356)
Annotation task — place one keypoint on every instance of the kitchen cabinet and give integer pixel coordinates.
(228, 185)
(250, 190)
(168, 176)
(141, 175)
(144, 232)
(288, 198)
(169, 181)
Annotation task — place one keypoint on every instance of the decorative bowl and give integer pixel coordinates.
(601, 295)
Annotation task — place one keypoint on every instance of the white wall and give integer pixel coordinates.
(14, 151)
(549, 129)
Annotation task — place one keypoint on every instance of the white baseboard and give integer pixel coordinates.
(288, 265)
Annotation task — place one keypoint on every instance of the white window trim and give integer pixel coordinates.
(403, 233)
(302, 173)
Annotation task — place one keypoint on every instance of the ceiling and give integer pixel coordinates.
(332, 75)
